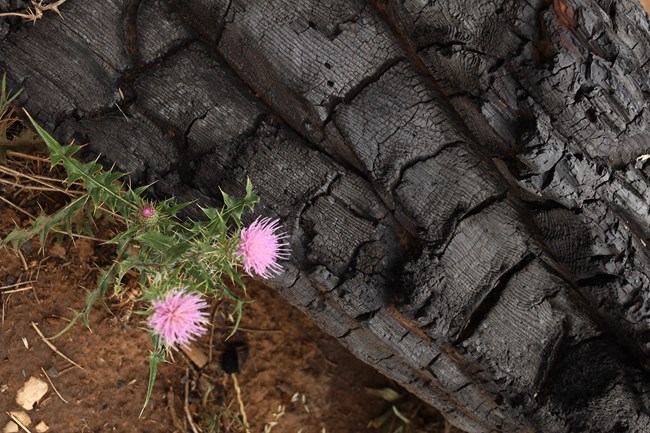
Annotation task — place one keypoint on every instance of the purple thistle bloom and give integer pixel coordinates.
(262, 247)
(178, 318)
(147, 211)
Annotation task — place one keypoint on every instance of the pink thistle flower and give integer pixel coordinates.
(261, 247)
(147, 211)
(178, 318)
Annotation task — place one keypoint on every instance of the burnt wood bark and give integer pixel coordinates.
(458, 178)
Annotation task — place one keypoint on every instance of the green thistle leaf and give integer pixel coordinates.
(155, 358)
(102, 187)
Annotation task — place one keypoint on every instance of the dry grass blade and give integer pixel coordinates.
(33, 217)
(23, 260)
(12, 135)
(22, 173)
(51, 346)
(170, 407)
(242, 408)
(40, 188)
(18, 208)
(186, 406)
(30, 156)
(5, 289)
(53, 387)
(23, 289)
(37, 178)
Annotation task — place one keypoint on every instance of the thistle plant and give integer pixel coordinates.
(179, 317)
(180, 264)
(261, 248)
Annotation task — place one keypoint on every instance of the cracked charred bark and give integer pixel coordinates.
(458, 178)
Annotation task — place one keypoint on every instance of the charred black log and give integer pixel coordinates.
(459, 179)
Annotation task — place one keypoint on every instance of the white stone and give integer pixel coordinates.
(22, 418)
(41, 427)
(31, 393)
(10, 427)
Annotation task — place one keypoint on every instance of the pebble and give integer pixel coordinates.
(10, 427)
(22, 417)
(41, 427)
(28, 247)
(52, 372)
(31, 392)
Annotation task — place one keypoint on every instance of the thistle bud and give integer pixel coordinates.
(147, 212)
(148, 215)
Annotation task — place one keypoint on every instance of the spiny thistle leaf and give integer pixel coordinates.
(238, 312)
(66, 328)
(236, 207)
(44, 224)
(158, 241)
(155, 358)
(102, 187)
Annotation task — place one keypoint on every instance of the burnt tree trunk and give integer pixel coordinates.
(459, 178)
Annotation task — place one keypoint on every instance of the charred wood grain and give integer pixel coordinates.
(458, 179)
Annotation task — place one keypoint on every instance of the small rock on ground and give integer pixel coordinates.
(10, 427)
(31, 393)
(22, 417)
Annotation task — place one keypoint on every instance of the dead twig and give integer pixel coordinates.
(170, 407)
(240, 328)
(22, 289)
(51, 346)
(27, 156)
(37, 178)
(36, 14)
(23, 260)
(242, 409)
(24, 179)
(212, 329)
(186, 405)
(53, 387)
(21, 283)
(48, 188)
(18, 208)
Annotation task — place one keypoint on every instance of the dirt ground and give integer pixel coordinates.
(289, 376)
